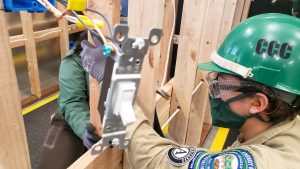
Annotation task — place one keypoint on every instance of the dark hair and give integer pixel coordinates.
(82, 36)
(283, 112)
(277, 110)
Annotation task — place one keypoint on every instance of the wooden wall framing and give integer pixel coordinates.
(13, 143)
(198, 37)
(29, 38)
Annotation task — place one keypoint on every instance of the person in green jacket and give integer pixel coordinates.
(70, 134)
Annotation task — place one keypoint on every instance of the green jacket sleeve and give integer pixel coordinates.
(73, 102)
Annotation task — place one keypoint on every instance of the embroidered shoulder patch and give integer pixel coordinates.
(181, 156)
(233, 159)
(194, 164)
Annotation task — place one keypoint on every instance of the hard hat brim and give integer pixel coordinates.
(212, 67)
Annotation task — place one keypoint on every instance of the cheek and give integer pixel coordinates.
(239, 107)
(227, 96)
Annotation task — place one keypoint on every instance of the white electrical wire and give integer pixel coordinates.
(71, 18)
(49, 6)
(177, 110)
(169, 46)
(196, 88)
(43, 35)
(170, 118)
(48, 33)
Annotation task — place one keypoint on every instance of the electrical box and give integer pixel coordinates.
(25, 5)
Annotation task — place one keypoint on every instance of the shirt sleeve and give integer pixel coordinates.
(148, 150)
(73, 102)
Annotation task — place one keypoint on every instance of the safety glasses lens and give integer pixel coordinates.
(220, 88)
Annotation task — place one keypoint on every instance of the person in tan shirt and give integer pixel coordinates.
(254, 87)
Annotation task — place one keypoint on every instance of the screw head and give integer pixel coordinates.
(115, 142)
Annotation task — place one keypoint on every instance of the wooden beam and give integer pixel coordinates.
(31, 55)
(45, 93)
(209, 43)
(220, 16)
(166, 46)
(227, 20)
(199, 106)
(19, 40)
(108, 159)
(187, 59)
(238, 12)
(246, 9)
(144, 15)
(141, 8)
(13, 142)
(111, 10)
(63, 35)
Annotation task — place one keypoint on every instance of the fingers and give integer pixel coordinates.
(88, 144)
(90, 127)
(86, 44)
(93, 137)
(91, 133)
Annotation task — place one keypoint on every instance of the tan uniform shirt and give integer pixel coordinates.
(276, 148)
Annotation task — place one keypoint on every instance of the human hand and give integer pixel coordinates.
(93, 60)
(89, 136)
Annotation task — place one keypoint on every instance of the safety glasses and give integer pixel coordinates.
(220, 86)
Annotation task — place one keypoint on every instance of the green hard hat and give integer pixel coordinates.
(264, 48)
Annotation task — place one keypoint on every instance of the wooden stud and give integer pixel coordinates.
(238, 12)
(246, 9)
(13, 142)
(140, 8)
(169, 20)
(31, 55)
(227, 20)
(108, 159)
(211, 39)
(220, 16)
(209, 42)
(45, 93)
(150, 15)
(63, 35)
(185, 72)
(111, 10)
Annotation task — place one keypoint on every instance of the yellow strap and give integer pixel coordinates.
(220, 139)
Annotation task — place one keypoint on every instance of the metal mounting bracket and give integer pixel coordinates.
(122, 86)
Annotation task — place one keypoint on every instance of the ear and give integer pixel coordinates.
(259, 104)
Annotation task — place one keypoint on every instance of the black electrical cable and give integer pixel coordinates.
(104, 17)
(91, 30)
(65, 3)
